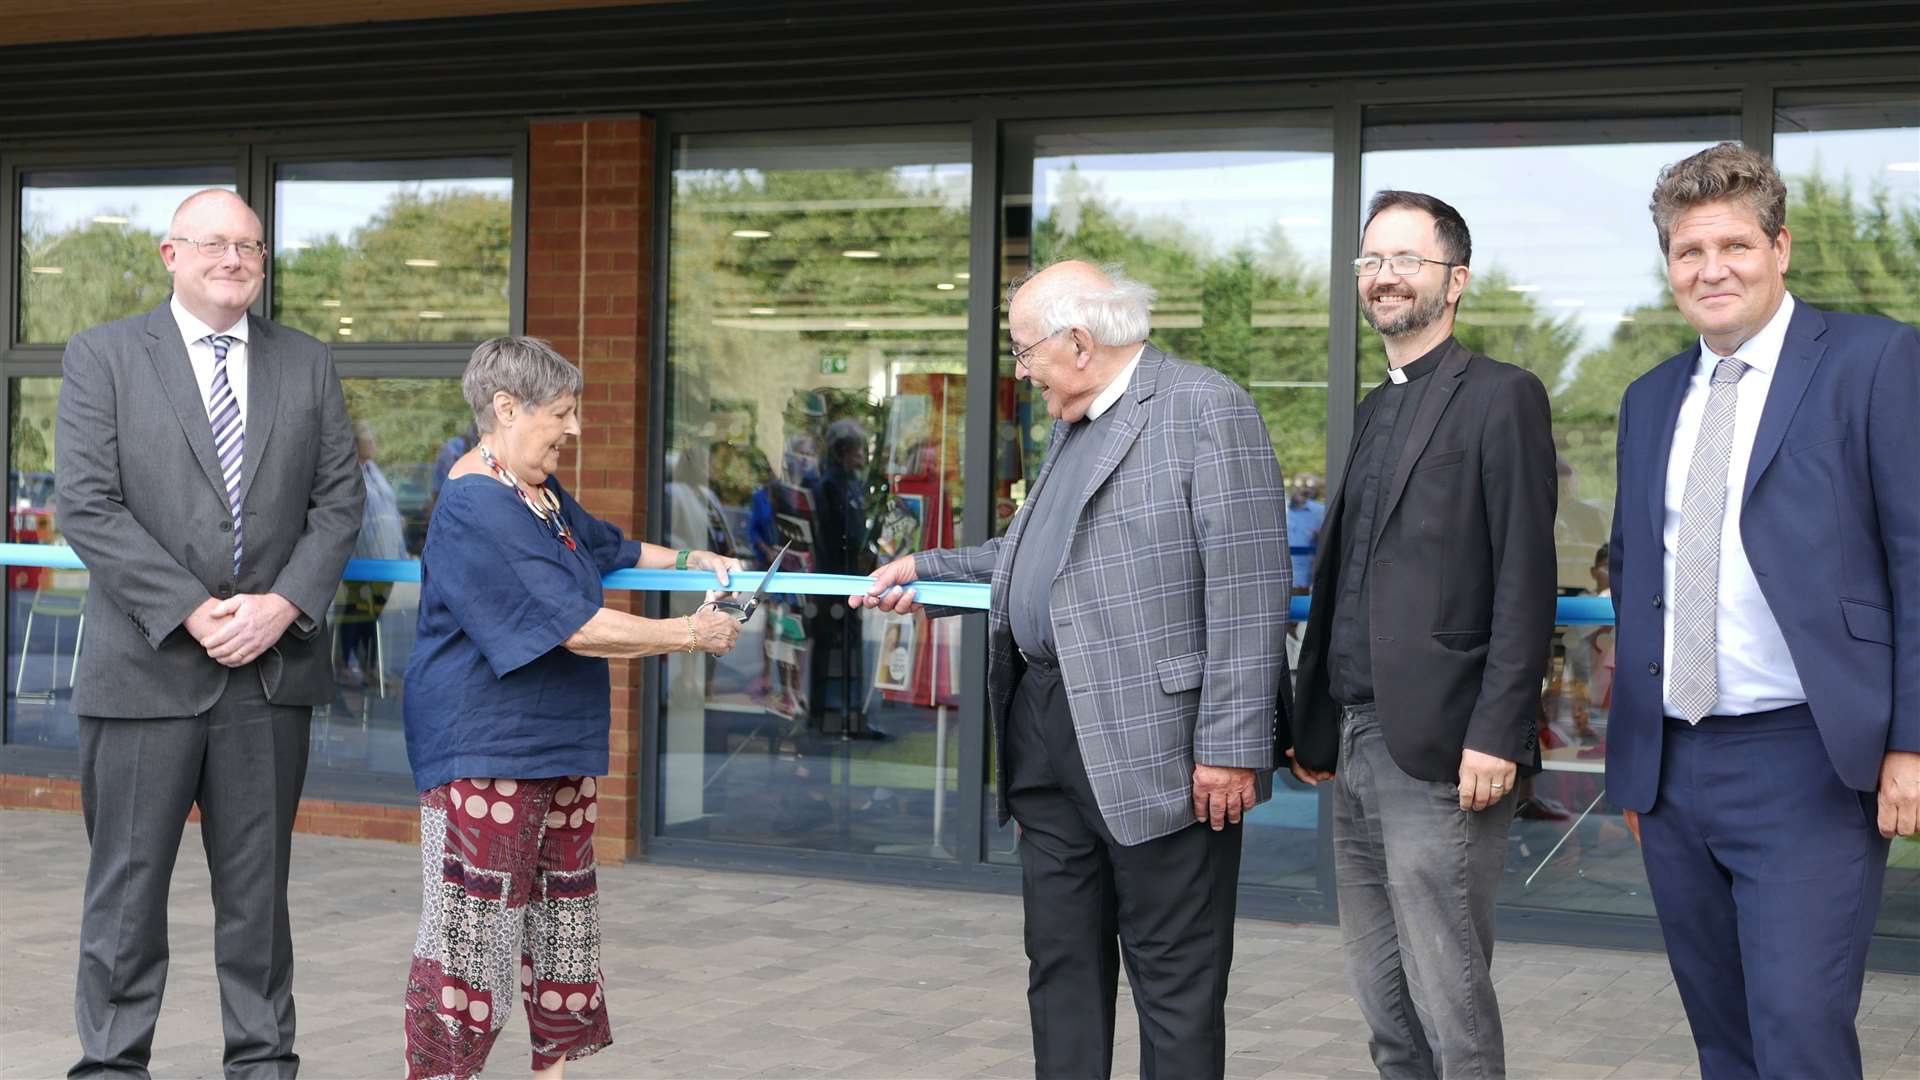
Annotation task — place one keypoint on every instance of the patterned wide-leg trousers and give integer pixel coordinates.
(510, 906)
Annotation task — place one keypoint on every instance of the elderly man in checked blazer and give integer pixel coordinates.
(1136, 659)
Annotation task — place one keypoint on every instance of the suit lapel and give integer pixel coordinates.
(1799, 356)
(175, 372)
(1668, 389)
(263, 399)
(1432, 404)
(1129, 416)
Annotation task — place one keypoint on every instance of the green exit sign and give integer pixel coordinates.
(833, 363)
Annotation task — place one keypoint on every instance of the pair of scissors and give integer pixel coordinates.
(742, 610)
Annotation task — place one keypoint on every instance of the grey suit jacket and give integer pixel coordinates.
(142, 503)
(1170, 606)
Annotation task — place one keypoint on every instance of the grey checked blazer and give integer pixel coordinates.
(1170, 606)
(143, 504)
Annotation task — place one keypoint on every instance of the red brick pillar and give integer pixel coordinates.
(589, 281)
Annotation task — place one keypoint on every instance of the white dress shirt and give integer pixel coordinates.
(1755, 670)
(200, 353)
(1114, 389)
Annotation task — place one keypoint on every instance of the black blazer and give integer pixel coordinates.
(1463, 579)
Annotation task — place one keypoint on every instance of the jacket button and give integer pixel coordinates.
(225, 590)
(226, 526)
(1656, 599)
(1653, 667)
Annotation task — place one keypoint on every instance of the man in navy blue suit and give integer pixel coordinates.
(1765, 734)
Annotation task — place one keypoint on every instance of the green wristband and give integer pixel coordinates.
(680, 560)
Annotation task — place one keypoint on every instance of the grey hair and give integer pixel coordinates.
(1115, 315)
(1727, 171)
(525, 367)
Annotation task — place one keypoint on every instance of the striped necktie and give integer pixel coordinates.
(1696, 564)
(229, 433)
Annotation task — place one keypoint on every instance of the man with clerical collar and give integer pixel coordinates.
(1135, 661)
(1419, 684)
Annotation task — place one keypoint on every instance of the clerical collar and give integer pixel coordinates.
(1420, 368)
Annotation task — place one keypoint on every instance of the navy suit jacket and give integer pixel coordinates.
(1830, 519)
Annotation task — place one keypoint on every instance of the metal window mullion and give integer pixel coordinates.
(983, 329)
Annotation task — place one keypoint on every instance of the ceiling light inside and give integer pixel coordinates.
(860, 253)
(109, 219)
(47, 269)
(761, 311)
(345, 331)
(423, 262)
(751, 234)
(346, 320)
(433, 315)
(329, 303)
(962, 276)
(945, 286)
(854, 325)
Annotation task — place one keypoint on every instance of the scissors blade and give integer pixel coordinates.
(772, 565)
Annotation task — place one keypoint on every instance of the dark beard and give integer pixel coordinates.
(1418, 316)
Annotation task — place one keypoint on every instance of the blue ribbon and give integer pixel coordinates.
(1573, 610)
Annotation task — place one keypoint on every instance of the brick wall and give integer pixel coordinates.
(589, 277)
(589, 280)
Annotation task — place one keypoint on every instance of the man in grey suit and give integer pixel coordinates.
(1135, 664)
(206, 476)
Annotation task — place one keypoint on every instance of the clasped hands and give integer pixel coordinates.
(235, 631)
(1484, 778)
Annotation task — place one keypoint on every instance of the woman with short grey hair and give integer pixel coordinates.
(507, 714)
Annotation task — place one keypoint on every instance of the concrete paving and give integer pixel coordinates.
(724, 974)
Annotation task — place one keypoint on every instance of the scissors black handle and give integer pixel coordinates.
(737, 610)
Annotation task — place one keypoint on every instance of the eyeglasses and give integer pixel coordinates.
(1020, 355)
(213, 249)
(1404, 265)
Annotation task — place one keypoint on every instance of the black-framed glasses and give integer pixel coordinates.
(1404, 265)
(214, 248)
(1020, 355)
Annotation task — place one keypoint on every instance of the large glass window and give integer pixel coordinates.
(90, 244)
(1851, 159)
(1569, 283)
(1229, 218)
(816, 382)
(45, 624)
(393, 251)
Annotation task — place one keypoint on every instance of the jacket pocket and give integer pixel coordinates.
(1825, 435)
(1182, 673)
(1439, 460)
(1868, 622)
(1462, 640)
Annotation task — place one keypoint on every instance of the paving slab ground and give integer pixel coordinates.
(715, 974)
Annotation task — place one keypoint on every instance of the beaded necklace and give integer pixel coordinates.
(547, 509)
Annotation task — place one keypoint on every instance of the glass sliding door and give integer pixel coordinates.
(1568, 282)
(816, 382)
(1228, 217)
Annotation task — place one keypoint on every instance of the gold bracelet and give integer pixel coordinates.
(693, 636)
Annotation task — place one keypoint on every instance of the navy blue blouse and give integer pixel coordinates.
(491, 691)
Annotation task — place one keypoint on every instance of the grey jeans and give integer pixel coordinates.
(1416, 877)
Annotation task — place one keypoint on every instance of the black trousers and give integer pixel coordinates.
(244, 762)
(1165, 906)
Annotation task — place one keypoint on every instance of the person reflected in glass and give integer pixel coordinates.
(1306, 513)
(1420, 674)
(1136, 660)
(382, 536)
(840, 547)
(507, 713)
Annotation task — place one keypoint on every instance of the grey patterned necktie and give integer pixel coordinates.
(229, 434)
(1696, 565)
